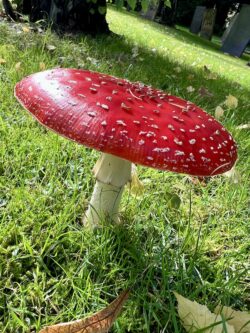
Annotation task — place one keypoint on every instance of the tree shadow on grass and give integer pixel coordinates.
(114, 55)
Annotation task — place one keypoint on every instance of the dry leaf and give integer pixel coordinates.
(206, 69)
(204, 92)
(42, 66)
(18, 66)
(177, 69)
(50, 47)
(218, 112)
(136, 186)
(211, 76)
(233, 174)
(240, 320)
(25, 29)
(190, 76)
(100, 322)
(231, 102)
(190, 89)
(243, 126)
(195, 316)
(2, 61)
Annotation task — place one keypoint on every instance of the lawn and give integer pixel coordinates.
(179, 235)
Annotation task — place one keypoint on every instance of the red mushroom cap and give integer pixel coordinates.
(129, 120)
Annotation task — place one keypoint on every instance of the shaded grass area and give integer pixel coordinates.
(51, 268)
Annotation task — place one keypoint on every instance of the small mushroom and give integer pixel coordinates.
(179, 137)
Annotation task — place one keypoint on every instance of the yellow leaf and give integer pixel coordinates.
(218, 112)
(100, 322)
(240, 320)
(2, 61)
(231, 102)
(136, 186)
(195, 316)
(25, 29)
(42, 66)
(233, 175)
(244, 126)
(190, 89)
(18, 66)
(177, 69)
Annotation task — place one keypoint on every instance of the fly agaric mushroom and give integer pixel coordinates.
(128, 122)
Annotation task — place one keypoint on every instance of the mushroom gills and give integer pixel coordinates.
(112, 174)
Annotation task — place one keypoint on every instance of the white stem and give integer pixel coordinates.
(112, 174)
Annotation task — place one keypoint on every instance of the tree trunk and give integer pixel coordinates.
(72, 15)
(9, 10)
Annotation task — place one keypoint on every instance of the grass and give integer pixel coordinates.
(51, 268)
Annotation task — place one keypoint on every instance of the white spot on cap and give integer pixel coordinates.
(202, 151)
(179, 153)
(141, 142)
(120, 122)
(125, 107)
(171, 127)
(162, 150)
(178, 142)
(149, 134)
(192, 141)
(191, 155)
(154, 126)
(104, 123)
(92, 114)
(136, 122)
(105, 107)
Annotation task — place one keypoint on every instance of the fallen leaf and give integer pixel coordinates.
(190, 89)
(240, 320)
(173, 200)
(206, 69)
(136, 186)
(231, 102)
(218, 112)
(18, 66)
(233, 175)
(204, 92)
(42, 66)
(135, 52)
(177, 69)
(190, 76)
(2, 61)
(243, 126)
(211, 76)
(100, 322)
(50, 47)
(196, 180)
(25, 29)
(195, 316)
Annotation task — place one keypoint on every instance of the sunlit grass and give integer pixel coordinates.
(51, 268)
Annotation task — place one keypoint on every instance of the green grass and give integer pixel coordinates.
(51, 268)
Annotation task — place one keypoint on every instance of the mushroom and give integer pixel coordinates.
(129, 123)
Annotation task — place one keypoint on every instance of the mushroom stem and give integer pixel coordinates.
(112, 174)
